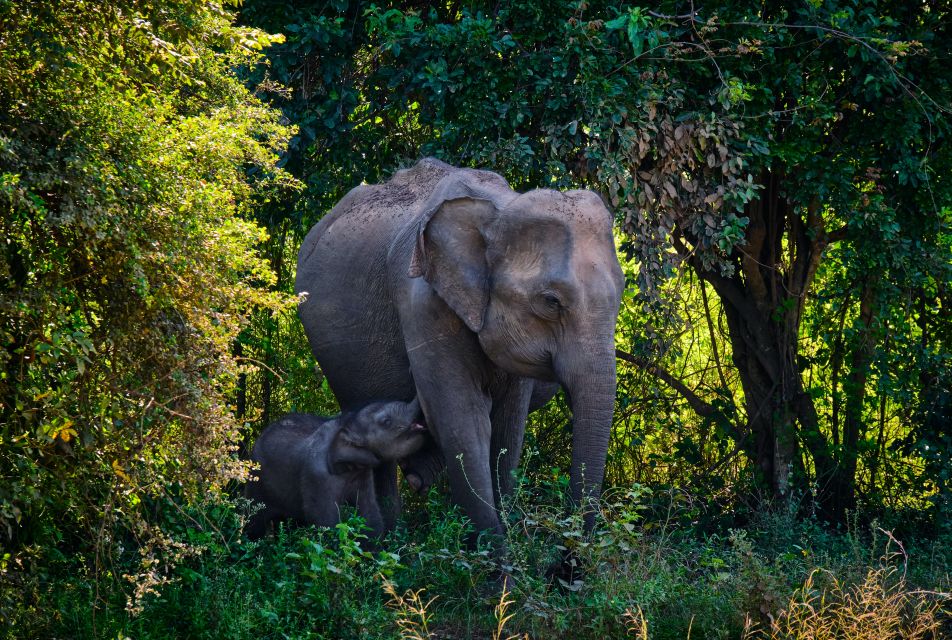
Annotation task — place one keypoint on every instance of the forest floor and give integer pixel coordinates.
(653, 569)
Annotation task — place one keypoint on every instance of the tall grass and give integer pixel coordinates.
(647, 572)
(880, 607)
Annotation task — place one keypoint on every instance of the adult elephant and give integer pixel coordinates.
(446, 283)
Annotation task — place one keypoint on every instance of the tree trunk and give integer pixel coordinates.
(842, 484)
(767, 372)
(763, 301)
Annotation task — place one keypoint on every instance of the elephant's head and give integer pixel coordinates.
(380, 431)
(536, 277)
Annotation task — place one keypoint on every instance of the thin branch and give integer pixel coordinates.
(710, 329)
(260, 364)
(702, 408)
(692, 16)
(734, 296)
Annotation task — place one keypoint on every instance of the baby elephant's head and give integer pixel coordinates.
(391, 430)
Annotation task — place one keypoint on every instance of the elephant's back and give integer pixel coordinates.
(347, 314)
(363, 224)
(285, 440)
(370, 215)
(284, 451)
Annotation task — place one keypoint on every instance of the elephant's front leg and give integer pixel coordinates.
(388, 495)
(452, 377)
(321, 499)
(368, 507)
(510, 407)
(464, 432)
(457, 411)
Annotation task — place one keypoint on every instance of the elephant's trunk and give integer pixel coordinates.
(413, 408)
(591, 389)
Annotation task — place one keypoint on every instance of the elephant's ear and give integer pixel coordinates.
(450, 254)
(349, 454)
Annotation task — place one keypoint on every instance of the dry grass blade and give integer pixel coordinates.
(637, 623)
(879, 608)
(502, 617)
(412, 615)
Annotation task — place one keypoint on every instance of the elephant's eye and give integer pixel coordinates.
(548, 305)
(552, 301)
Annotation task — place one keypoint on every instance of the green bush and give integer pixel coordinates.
(130, 153)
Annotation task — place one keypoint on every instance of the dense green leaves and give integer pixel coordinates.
(129, 155)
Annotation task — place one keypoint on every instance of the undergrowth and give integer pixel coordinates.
(645, 573)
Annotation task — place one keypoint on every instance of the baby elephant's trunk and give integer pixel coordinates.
(414, 407)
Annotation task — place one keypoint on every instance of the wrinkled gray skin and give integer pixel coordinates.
(446, 283)
(310, 466)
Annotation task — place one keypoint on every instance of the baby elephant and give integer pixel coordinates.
(312, 465)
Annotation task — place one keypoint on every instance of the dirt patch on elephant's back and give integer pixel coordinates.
(422, 177)
(393, 195)
(379, 207)
(427, 170)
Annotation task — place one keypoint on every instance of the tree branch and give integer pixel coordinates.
(837, 234)
(732, 295)
(753, 252)
(702, 408)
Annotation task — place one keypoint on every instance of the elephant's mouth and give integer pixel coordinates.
(523, 362)
(415, 426)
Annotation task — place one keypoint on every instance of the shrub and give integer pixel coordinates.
(129, 155)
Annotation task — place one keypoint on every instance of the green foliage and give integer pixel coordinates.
(233, 589)
(340, 581)
(323, 583)
(129, 154)
(319, 71)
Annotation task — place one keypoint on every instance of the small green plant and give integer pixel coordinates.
(338, 579)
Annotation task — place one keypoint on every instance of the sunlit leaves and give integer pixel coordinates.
(130, 156)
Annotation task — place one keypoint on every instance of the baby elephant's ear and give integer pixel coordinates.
(383, 416)
(346, 456)
(350, 449)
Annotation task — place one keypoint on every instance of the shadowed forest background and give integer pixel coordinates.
(781, 174)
